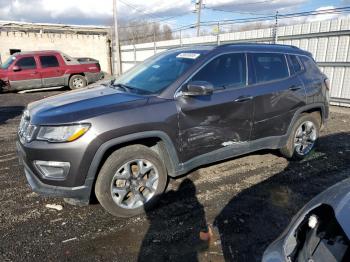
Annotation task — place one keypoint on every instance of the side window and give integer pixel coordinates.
(49, 61)
(269, 66)
(310, 65)
(295, 64)
(225, 71)
(26, 63)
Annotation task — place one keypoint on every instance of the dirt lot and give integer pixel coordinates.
(247, 202)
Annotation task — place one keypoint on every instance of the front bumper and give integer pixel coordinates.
(81, 193)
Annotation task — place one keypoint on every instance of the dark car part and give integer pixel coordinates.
(303, 137)
(188, 107)
(320, 231)
(130, 181)
(320, 238)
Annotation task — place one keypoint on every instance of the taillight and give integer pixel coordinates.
(327, 83)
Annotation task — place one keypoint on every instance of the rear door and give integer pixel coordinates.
(222, 119)
(51, 72)
(24, 74)
(278, 93)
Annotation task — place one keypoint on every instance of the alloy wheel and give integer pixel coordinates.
(305, 138)
(134, 184)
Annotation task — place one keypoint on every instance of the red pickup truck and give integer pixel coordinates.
(40, 69)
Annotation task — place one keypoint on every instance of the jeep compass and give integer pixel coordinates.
(176, 111)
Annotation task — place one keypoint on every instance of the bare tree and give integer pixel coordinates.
(143, 32)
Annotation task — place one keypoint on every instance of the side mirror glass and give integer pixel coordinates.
(16, 69)
(198, 88)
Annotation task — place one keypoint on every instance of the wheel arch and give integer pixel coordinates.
(156, 140)
(69, 76)
(314, 108)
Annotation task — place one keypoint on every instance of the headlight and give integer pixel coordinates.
(62, 133)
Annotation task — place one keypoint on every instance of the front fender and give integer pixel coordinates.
(167, 150)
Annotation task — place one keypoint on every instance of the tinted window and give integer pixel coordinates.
(310, 64)
(226, 71)
(158, 72)
(295, 64)
(26, 63)
(48, 61)
(269, 67)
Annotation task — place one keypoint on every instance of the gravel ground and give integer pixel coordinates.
(247, 202)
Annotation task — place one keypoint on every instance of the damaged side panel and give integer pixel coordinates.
(207, 123)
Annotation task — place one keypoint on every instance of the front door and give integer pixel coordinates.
(24, 74)
(222, 119)
(51, 72)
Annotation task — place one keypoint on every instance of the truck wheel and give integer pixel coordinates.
(130, 181)
(77, 81)
(303, 137)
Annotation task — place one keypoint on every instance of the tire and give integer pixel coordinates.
(113, 183)
(292, 150)
(77, 81)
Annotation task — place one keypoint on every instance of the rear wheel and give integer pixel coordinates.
(130, 181)
(77, 81)
(303, 137)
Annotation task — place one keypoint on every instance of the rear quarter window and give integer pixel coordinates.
(269, 67)
(310, 65)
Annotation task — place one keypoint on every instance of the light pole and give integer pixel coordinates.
(115, 42)
(199, 8)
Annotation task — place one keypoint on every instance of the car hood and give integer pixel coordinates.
(78, 105)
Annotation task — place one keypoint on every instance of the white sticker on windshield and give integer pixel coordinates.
(188, 55)
(156, 66)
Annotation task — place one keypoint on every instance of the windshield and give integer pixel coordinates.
(8, 62)
(157, 73)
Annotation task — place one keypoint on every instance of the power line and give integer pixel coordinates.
(257, 19)
(137, 9)
(155, 21)
(235, 12)
(162, 19)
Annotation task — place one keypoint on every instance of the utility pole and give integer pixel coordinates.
(198, 9)
(115, 42)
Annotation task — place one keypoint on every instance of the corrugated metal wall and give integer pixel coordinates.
(328, 41)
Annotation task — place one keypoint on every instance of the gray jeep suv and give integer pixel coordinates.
(176, 111)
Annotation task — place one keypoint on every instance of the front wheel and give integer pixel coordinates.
(130, 181)
(303, 137)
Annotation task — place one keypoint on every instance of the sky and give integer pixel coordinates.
(175, 13)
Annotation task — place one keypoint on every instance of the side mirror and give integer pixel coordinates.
(198, 88)
(16, 69)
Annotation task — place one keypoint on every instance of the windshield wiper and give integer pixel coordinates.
(131, 89)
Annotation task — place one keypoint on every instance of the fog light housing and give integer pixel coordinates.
(52, 170)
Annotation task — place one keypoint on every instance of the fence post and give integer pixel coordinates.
(154, 41)
(275, 30)
(218, 34)
(133, 42)
(180, 37)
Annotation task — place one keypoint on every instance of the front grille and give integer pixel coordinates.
(25, 129)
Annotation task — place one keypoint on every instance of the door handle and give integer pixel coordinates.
(294, 88)
(243, 98)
